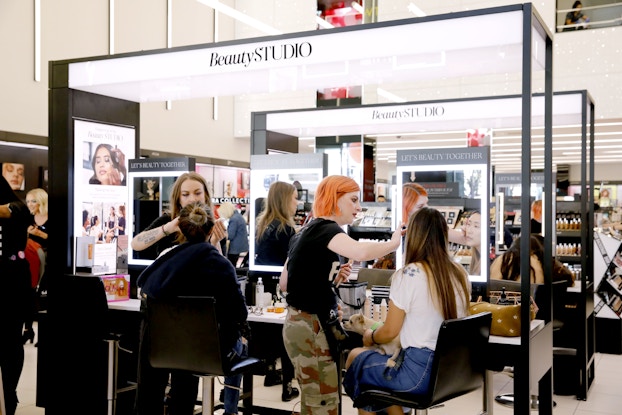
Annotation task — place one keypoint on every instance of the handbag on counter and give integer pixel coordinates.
(505, 307)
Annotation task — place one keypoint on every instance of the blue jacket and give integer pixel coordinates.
(238, 235)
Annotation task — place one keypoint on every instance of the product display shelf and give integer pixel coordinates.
(574, 250)
(608, 293)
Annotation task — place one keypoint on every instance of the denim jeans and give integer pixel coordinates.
(232, 394)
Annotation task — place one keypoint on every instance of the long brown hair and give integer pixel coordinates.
(426, 244)
(510, 260)
(277, 208)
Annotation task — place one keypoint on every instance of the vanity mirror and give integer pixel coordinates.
(457, 182)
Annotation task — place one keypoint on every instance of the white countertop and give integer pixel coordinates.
(125, 305)
(535, 326)
(265, 317)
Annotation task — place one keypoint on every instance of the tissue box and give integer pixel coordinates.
(117, 287)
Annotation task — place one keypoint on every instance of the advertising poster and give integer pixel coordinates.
(101, 195)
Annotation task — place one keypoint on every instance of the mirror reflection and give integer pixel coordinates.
(459, 193)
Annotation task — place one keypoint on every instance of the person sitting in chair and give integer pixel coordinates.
(430, 288)
(193, 268)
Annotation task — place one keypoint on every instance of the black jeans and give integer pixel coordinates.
(15, 277)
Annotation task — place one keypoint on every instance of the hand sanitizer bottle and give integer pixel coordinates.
(259, 293)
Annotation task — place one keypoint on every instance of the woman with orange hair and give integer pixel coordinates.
(414, 197)
(536, 217)
(312, 268)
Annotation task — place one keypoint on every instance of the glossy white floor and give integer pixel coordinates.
(605, 395)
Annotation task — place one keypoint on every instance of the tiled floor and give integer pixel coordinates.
(605, 396)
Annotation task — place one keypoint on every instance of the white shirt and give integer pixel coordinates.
(410, 292)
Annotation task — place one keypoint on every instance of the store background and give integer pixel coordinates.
(219, 127)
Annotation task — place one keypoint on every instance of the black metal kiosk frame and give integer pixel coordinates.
(98, 89)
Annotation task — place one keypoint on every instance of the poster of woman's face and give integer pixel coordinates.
(108, 165)
(14, 174)
(101, 162)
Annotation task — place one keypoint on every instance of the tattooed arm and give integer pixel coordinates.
(158, 230)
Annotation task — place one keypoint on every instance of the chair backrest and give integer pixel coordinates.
(183, 334)
(375, 276)
(460, 358)
(542, 297)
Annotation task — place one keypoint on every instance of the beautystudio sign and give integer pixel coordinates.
(308, 60)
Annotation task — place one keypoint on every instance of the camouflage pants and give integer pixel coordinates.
(315, 369)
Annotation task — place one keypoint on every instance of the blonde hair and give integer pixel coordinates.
(328, 193)
(41, 196)
(277, 208)
(226, 210)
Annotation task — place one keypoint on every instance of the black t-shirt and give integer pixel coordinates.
(167, 241)
(312, 268)
(14, 231)
(274, 244)
(41, 241)
(536, 227)
(121, 225)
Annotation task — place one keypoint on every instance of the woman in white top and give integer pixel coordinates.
(429, 289)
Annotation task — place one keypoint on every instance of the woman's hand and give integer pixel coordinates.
(120, 159)
(219, 232)
(344, 273)
(367, 339)
(398, 233)
(114, 177)
(172, 226)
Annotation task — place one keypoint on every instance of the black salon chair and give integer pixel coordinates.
(458, 367)
(184, 335)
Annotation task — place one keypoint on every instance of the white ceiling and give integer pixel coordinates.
(588, 59)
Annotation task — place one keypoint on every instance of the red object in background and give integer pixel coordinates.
(340, 15)
(475, 138)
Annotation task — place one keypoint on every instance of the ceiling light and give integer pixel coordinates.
(23, 145)
(323, 23)
(241, 17)
(389, 95)
(416, 10)
(357, 7)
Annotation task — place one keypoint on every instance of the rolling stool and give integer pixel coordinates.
(112, 389)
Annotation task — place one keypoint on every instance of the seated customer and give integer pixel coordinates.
(429, 289)
(193, 268)
(507, 266)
